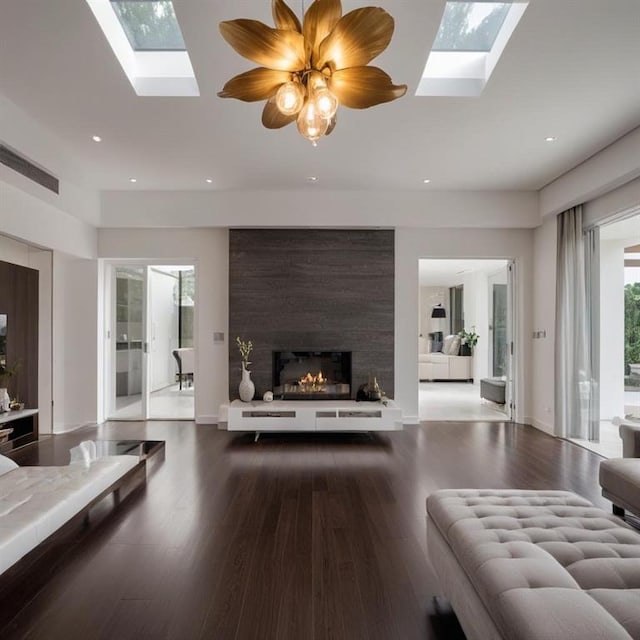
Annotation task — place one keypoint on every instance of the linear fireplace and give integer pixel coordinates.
(312, 375)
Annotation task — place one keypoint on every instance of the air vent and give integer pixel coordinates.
(12, 160)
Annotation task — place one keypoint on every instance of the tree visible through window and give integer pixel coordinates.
(631, 333)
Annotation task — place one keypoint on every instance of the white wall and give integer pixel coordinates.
(164, 329)
(41, 260)
(413, 244)
(75, 353)
(208, 250)
(543, 309)
(30, 139)
(26, 217)
(476, 314)
(429, 298)
(612, 328)
(322, 208)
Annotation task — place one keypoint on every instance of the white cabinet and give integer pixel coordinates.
(460, 368)
(307, 415)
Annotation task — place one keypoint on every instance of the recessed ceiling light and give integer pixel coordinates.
(550, 139)
(133, 180)
(426, 181)
(96, 138)
(208, 180)
(312, 179)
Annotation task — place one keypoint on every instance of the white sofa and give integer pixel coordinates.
(36, 501)
(445, 364)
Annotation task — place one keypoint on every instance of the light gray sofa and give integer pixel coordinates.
(620, 477)
(534, 565)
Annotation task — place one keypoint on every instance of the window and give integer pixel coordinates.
(149, 25)
(468, 45)
(470, 26)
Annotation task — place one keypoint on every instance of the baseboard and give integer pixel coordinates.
(60, 429)
(206, 419)
(541, 426)
(410, 420)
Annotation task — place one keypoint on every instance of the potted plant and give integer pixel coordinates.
(6, 373)
(246, 388)
(468, 340)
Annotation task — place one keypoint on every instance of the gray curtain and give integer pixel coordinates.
(592, 327)
(575, 392)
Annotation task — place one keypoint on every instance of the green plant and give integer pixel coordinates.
(245, 349)
(7, 372)
(631, 324)
(470, 338)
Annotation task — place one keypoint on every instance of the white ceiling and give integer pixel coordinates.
(571, 70)
(450, 273)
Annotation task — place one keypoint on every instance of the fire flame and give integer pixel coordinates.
(311, 379)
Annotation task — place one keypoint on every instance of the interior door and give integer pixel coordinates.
(129, 343)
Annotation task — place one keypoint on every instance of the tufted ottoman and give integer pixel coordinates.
(535, 565)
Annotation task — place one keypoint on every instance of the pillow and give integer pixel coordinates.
(451, 345)
(446, 345)
(6, 465)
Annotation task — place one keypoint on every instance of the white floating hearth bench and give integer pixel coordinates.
(309, 415)
(40, 507)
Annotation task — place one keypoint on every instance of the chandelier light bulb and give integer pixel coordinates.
(310, 122)
(290, 98)
(326, 102)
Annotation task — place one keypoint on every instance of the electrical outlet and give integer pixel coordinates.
(218, 337)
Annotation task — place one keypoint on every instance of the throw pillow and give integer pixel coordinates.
(446, 345)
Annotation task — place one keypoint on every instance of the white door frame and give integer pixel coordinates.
(107, 391)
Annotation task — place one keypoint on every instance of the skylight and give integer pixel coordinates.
(149, 25)
(147, 41)
(470, 26)
(468, 45)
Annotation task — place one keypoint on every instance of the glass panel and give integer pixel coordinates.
(150, 25)
(632, 333)
(470, 26)
(129, 341)
(3, 339)
(186, 295)
(171, 353)
(456, 298)
(499, 330)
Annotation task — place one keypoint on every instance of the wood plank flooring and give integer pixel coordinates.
(299, 537)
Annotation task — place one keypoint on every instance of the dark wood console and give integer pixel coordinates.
(24, 425)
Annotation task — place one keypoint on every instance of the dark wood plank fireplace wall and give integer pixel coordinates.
(308, 290)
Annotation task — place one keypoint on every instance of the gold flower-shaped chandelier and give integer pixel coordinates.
(308, 70)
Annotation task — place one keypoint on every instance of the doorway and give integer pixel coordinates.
(465, 355)
(150, 354)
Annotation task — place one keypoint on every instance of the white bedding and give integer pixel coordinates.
(36, 501)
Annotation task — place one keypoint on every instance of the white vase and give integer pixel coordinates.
(5, 400)
(246, 389)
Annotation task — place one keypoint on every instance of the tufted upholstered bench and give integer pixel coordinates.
(620, 477)
(535, 565)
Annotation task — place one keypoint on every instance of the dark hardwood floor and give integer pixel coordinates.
(292, 538)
